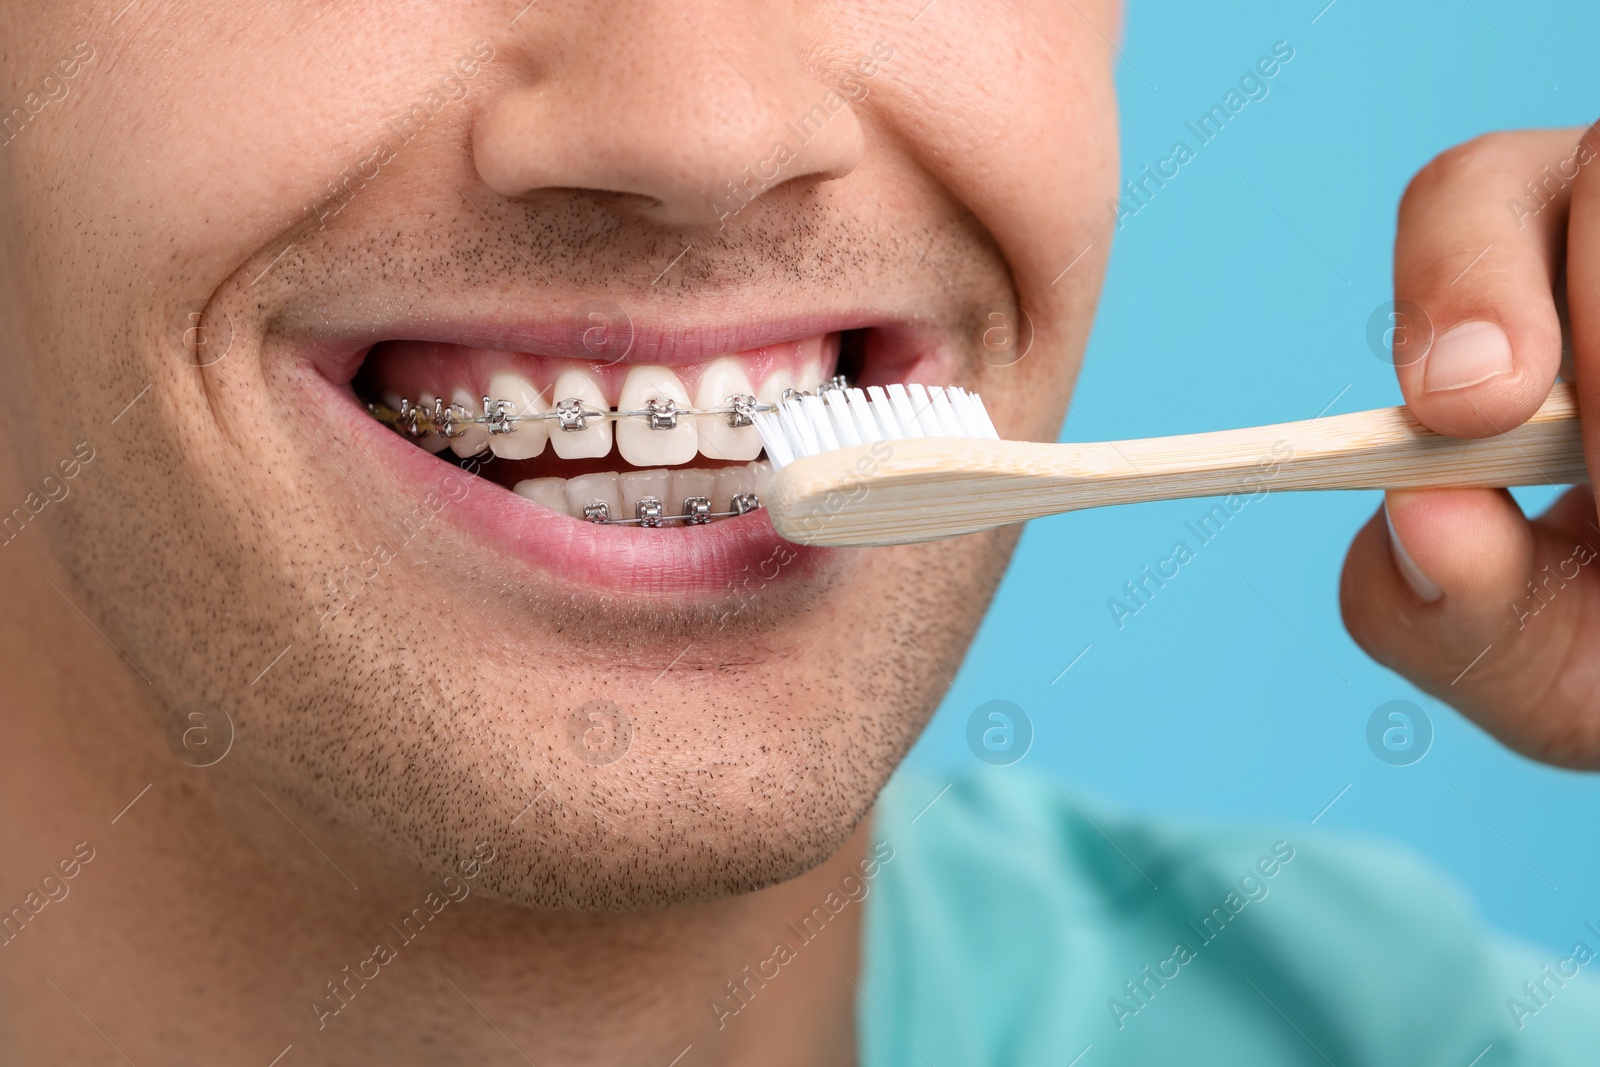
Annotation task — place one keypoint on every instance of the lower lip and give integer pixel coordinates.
(664, 563)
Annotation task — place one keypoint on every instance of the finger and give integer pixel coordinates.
(1481, 232)
(1583, 293)
(1496, 615)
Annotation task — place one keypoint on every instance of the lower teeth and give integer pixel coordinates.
(651, 512)
(689, 496)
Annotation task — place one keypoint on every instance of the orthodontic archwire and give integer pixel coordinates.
(659, 413)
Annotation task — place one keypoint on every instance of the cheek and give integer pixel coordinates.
(262, 159)
(1026, 138)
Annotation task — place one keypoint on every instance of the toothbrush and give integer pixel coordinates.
(906, 463)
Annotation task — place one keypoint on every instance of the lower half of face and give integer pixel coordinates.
(443, 487)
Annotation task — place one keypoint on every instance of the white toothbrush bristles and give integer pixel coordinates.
(810, 425)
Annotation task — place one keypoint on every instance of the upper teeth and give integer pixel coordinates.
(660, 437)
(735, 437)
(656, 423)
(473, 437)
(523, 436)
(592, 438)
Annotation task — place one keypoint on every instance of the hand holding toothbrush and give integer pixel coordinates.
(1495, 613)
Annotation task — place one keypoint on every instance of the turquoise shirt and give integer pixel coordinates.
(1017, 924)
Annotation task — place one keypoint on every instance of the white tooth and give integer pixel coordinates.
(642, 485)
(527, 437)
(809, 374)
(638, 443)
(475, 438)
(730, 482)
(691, 481)
(722, 379)
(762, 474)
(433, 442)
(588, 489)
(549, 492)
(594, 440)
(771, 391)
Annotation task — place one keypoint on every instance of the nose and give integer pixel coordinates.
(686, 111)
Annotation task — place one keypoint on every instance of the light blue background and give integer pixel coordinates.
(1218, 313)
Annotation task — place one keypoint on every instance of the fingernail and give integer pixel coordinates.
(1466, 355)
(1425, 588)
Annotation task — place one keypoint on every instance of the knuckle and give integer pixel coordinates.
(1430, 278)
(1557, 693)
(1535, 694)
(1584, 152)
(1573, 744)
(1469, 163)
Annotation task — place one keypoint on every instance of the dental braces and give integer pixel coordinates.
(651, 512)
(571, 415)
(660, 413)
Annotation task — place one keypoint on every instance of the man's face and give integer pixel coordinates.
(247, 221)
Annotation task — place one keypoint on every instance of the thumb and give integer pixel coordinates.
(1496, 615)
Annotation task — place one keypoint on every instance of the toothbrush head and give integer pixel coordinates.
(851, 467)
(807, 425)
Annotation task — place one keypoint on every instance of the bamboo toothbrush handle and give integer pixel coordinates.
(918, 490)
(1386, 448)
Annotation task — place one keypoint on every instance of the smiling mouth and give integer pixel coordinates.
(615, 444)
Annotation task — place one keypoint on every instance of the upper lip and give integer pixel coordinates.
(625, 339)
